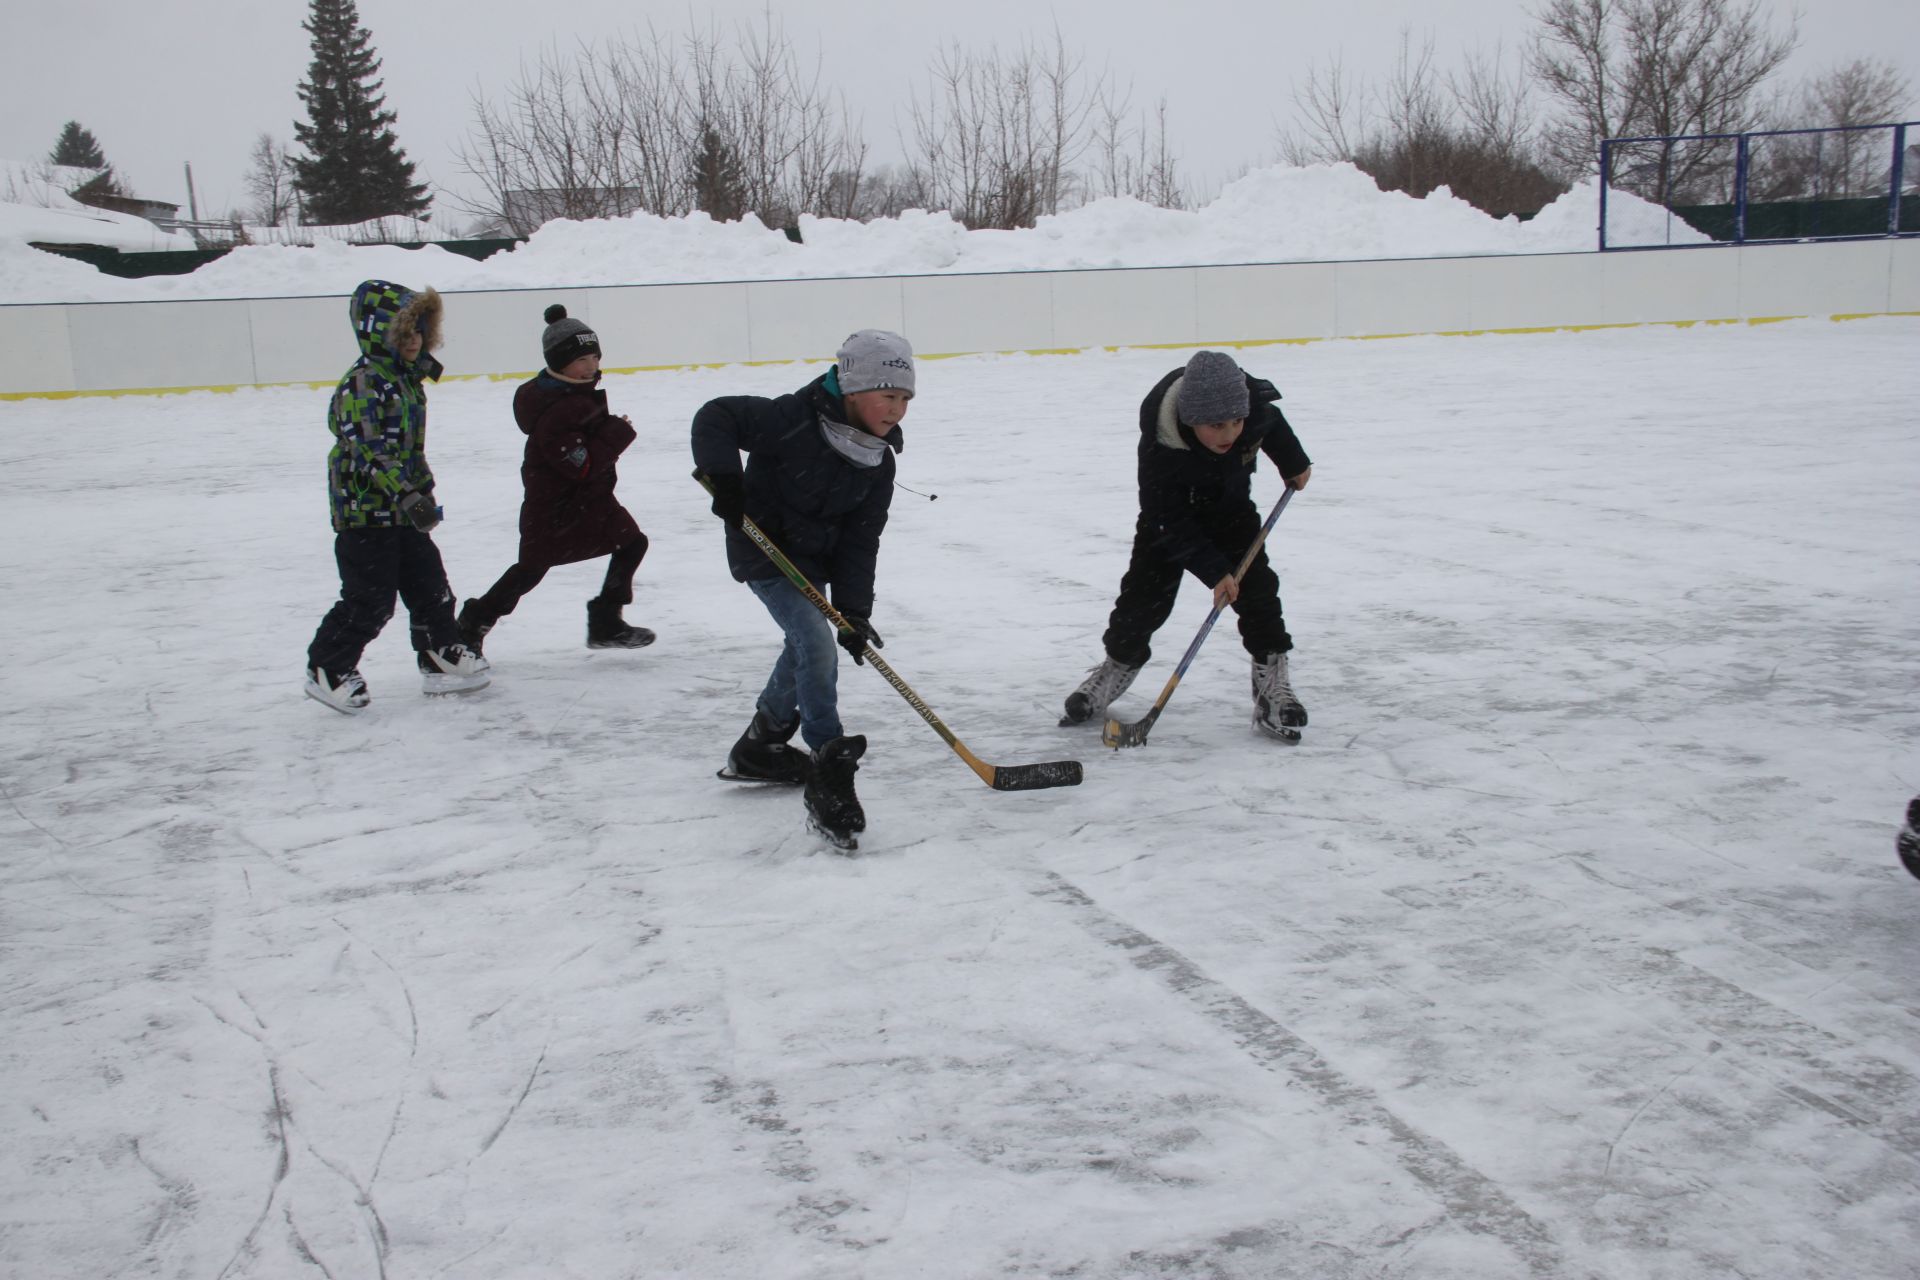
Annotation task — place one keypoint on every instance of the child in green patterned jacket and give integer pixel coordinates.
(380, 490)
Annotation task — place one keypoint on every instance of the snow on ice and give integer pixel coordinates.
(1570, 942)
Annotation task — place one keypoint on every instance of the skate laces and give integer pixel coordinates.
(1270, 679)
(1107, 681)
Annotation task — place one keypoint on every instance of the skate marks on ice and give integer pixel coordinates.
(1632, 1043)
(823, 1212)
(1470, 1198)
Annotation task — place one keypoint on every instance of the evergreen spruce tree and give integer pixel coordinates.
(719, 179)
(78, 148)
(353, 169)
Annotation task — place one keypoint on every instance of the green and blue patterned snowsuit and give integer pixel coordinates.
(378, 415)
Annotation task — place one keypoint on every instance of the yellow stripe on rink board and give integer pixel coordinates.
(1238, 344)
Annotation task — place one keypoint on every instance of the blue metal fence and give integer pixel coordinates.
(1782, 184)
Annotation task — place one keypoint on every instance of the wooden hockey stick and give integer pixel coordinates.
(1001, 777)
(1117, 735)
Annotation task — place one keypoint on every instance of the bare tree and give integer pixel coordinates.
(1861, 92)
(1472, 132)
(1410, 153)
(270, 182)
(1849, 97)
(788, 133)
(1133, 157)
(1332, 118)
(664, 126)
(554, 148)
(997, 137)
(886, 191)
(1647, 68)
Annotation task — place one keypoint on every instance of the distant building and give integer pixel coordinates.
(138, 206)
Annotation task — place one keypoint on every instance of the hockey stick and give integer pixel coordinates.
(1002, 777)
(1117, 735)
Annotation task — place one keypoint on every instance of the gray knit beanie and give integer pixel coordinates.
(1213, 389)
(566, 340)
(875, 360)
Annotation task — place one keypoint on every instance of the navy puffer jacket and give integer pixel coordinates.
(823, 511)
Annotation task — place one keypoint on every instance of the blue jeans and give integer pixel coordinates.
(805, 679)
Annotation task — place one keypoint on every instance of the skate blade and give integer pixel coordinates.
(730, 776)
(621, 644)
(440, 687)
(1285, 733)
(344, 708)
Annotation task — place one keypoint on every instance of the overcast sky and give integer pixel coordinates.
(197, 81)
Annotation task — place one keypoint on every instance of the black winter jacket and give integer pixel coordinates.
(1187, 490)
(824, 512)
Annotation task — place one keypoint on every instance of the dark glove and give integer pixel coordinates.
(417, 508)
(729, 497)
(856, 641)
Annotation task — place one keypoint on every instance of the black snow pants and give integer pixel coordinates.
(1152, 582)
(522, 577)
(375, 565)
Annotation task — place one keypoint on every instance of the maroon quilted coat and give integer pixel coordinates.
(573, 446)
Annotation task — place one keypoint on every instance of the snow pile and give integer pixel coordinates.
(1315, 214)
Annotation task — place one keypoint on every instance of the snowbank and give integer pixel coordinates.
(1279, 214)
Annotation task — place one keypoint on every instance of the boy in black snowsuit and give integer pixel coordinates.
(380, 490)
(1201, 429)
(818, 482)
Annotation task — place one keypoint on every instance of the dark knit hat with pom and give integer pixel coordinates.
(566, 339)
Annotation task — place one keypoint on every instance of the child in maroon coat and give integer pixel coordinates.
(570, 513)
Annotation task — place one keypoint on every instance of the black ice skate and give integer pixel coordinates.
(606, 629)
(762, 754)
(833, 810)
(1276, 711)
(454, 669)
(1096, 693)
(474, 623)
(346, 694)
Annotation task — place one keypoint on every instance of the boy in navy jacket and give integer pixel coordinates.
(818, 481)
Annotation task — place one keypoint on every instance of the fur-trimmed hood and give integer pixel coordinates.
(384, 313)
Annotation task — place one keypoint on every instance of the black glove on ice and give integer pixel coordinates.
(418, 509)
(856, 641)
(729, 497)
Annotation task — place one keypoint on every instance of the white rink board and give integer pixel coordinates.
(143, 346)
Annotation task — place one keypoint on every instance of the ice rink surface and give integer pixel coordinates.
(1571, 941)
